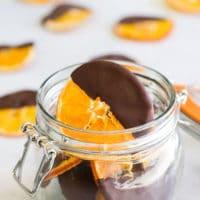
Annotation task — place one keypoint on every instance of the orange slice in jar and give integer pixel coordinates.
(65, 17)
(142, 28)
(78, 107)
(16, 109)
(15, 57)
(186, 6)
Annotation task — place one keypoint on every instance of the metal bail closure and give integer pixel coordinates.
(47, 161)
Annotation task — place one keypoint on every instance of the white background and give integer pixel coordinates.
(178, 57)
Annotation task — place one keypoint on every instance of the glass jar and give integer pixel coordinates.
(144, 167)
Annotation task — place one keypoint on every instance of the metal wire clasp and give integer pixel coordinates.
(182, 96)
(48, 158)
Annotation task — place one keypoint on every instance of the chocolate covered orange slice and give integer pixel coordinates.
(103, 95)
(65, 17)
(143, 28)
(77, 109)
(186, 6)
(131, 106)
(91, 100)
(15, 57)
(16, 109)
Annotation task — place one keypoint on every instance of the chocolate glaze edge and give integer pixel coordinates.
(18, 99)
(136, 19)
(60, 10)
(26, 44)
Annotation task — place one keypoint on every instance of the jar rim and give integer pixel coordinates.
(135, 129)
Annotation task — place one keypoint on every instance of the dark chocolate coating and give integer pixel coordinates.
(27, 44)
(114, 57)
(119, 88)
(18, 99)
(78, 183)
(162, 189)
(136, 19)
(60, 10)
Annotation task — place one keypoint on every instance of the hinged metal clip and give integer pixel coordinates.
(48, 158)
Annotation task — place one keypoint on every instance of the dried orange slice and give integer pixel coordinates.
(15, 57)
(16, 109)
(143, 28)
(77, 109)
(40, 1)
(65, 17)
(186, 6)
(64, 166)
(80, 104)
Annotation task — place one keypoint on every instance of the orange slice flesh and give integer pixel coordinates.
(186, 6)
(149, 30)
(190, 108)
(11, 120)
(75, 108)
(63, 167)
(67, 21)
(13, 58)
(105, 169)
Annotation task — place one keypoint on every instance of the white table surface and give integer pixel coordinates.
(178, 57)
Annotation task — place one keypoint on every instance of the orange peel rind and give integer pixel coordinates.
(64, 166)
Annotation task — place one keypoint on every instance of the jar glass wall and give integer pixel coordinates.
(141, 167)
